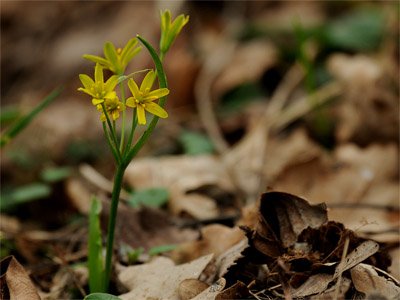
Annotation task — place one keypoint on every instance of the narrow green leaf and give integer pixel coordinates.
(156, 197)
(24, 194)
(95, 253)
(55, 174)
(101, 296)
(161, 249)
(8, 114)
(22, 123)
(195, 143)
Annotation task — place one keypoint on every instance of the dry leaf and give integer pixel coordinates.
(190, 288)
(160, 278)
(367, 280)
(330, 293)
(213, 291)
(215, 239)
(237, 291)
(359, 254)
(316, 284)
(15, 281)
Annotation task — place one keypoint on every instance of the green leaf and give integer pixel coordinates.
(161, 249)
(95, 249)
(133, 255)
(156, 197)
(362, 30)
(8, 114)
(24, 194)
(22, 123)
(55, 174)
(101, 296)
(195, 143)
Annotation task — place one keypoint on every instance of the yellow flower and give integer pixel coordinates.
(169, 31)
(97, 88)
(143, 98)
(116, 60)
(113, 107)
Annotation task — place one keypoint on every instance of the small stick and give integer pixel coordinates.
(340, 267)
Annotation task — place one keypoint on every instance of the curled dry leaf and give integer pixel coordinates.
(367, 280)
(160, 278)
(282, 218)
(330, 293)
(15, 282)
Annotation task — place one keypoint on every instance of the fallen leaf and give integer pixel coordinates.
(190, 288)
(212, 292)
(237, 291)
(15, 281)
(367, 280)
(316, 284)
(330, 293)
(215, 239)
(359, 254)
(160, 278)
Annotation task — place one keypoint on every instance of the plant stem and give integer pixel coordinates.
(134, 123)
(121, 145)
(110, 143)
(119, 176)
(114, 136)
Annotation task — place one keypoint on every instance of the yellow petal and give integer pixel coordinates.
(96, 101)
(86, 91)
(147, 82)
(86, 81)
(111, 83)
(131, 102)
(133, 87)
(153, 95)
(141, 115)
(157, 110)
(115, 114)
(98, 74)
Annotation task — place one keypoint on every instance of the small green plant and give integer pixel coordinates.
(143, 98)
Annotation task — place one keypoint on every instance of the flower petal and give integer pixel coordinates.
(128, 48)
(141, 115)
(131, 102)
(111, 54)
(96, 101)
(115, 114)
(157, 110)
(98, 74)
(133, 87)
(97, 59)
(147, 82)
(153, 95)
(111, 83)
(86, 81)
(111, 95)
(86, 91)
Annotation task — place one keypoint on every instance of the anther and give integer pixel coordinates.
(147, 89)
(119, 51)
(144, 105)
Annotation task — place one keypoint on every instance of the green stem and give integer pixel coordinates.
(134, 123)
(121, 145)
(110, 143)
(119, 176)
(114, 136)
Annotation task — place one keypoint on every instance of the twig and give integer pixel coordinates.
(71, 273)
(340, 267)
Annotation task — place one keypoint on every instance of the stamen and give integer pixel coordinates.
(119, 51)
(92, 89)
(137, 101)
(152, 105)
(147, 89)
(97, 95)
(144, 105)
(140, 93)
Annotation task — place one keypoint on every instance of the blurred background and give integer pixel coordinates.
(295, 96)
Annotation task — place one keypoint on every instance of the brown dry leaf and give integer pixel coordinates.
(367, 280)
(372, 117)
(15, 281)
(285, 216)
(359, 254)
(330, 293)
(160, 278)
(316, 284)
(216, 239)
(237, 291)
(213, 291)
(190, 288)
(180, 174)
(249, 62)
